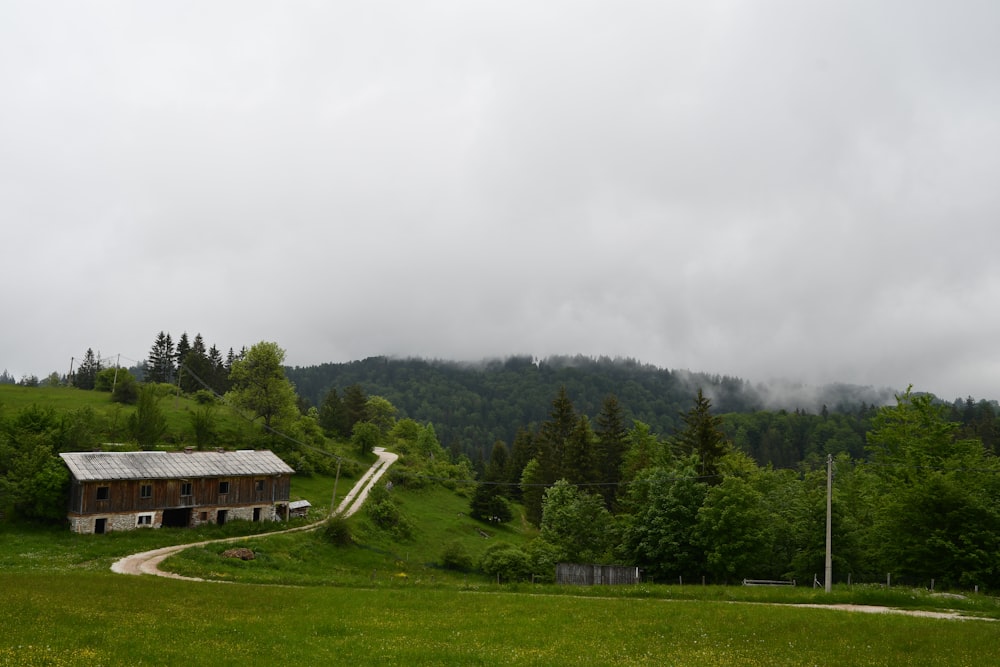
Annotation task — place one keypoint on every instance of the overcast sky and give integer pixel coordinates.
(798, 190)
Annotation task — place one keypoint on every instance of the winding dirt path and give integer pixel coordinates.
(148, 562)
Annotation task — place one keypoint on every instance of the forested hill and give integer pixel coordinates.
(478, 404)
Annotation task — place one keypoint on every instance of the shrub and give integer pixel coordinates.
(506, 562)
(456, 557)
(204, 397)
(337, 531)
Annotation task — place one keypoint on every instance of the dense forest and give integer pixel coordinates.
(474, 405)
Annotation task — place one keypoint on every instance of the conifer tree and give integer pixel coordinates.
(333, 415)
(160, 366)
(356, 405)
(86, 374)
(578, 464)
(217, 374)
(702, 435)
(553, 436)
(196, 362)
(183, 347)
(611, 433)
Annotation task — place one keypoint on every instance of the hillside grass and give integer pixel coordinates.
(177, 410)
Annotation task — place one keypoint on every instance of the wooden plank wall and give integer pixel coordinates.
(124, 495)
(602, 575)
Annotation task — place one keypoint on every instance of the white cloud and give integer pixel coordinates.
(767, 190)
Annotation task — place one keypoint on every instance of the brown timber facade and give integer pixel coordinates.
(127, 490)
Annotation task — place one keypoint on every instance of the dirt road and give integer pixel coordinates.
(148, 562)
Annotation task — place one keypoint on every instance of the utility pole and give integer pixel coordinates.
(829, 523)
(333, 498)
(114, 383)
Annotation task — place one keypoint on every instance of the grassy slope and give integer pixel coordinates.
(176, 409)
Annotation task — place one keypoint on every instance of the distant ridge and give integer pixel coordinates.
(488, 400)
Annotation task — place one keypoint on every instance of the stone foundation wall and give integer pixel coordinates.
(199, 515)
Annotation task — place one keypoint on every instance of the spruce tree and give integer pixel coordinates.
(86, 374)
(217, 375)
(333, 415)
(183, 347)
(578, 464)
(160, 367)
(702, 435)
(611, 445)
(197, 365)
(554, 434)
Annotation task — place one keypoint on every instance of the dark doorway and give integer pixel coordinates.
(177, 517)
(256, 514)
(100, 526)
(220, 517)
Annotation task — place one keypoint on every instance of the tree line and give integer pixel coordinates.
(921, 503)
(474, 405)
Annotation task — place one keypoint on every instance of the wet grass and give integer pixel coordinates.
(102, 619)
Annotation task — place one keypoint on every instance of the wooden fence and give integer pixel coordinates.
(597, 575)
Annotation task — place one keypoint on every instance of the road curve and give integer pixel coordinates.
(148, 562)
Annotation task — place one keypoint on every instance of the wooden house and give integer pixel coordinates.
(128, 490)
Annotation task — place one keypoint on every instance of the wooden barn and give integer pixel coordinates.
(128, 490)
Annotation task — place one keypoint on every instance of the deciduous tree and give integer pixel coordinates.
(260, 387)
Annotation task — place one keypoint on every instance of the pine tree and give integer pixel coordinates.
(86, 374)
(197, 365)
(333, 415)
(523, 450)
(356, 406)
(702, 435)
(217, 374)
(183, 347)
(578, 464)
(554, 434)
(611, 433)
(161, 360)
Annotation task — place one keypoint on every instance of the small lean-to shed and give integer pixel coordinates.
(127, 490)
(298, 508)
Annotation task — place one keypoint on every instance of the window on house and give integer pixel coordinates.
(186, 489)
(144, 520)
(145, 490)
(223, 487)
(260, 486)
(103, 492)
(202, 516)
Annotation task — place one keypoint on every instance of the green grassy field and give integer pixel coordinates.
(384, 600)
(60, 605)
(72, 618)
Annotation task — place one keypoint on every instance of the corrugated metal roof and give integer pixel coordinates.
(296, 504)
(100, 466)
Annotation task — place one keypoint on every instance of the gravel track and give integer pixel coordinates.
(148, 562)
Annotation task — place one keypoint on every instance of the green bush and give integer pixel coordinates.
(337, 531)
(506, 562)
(204, 397)
(456, 557)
